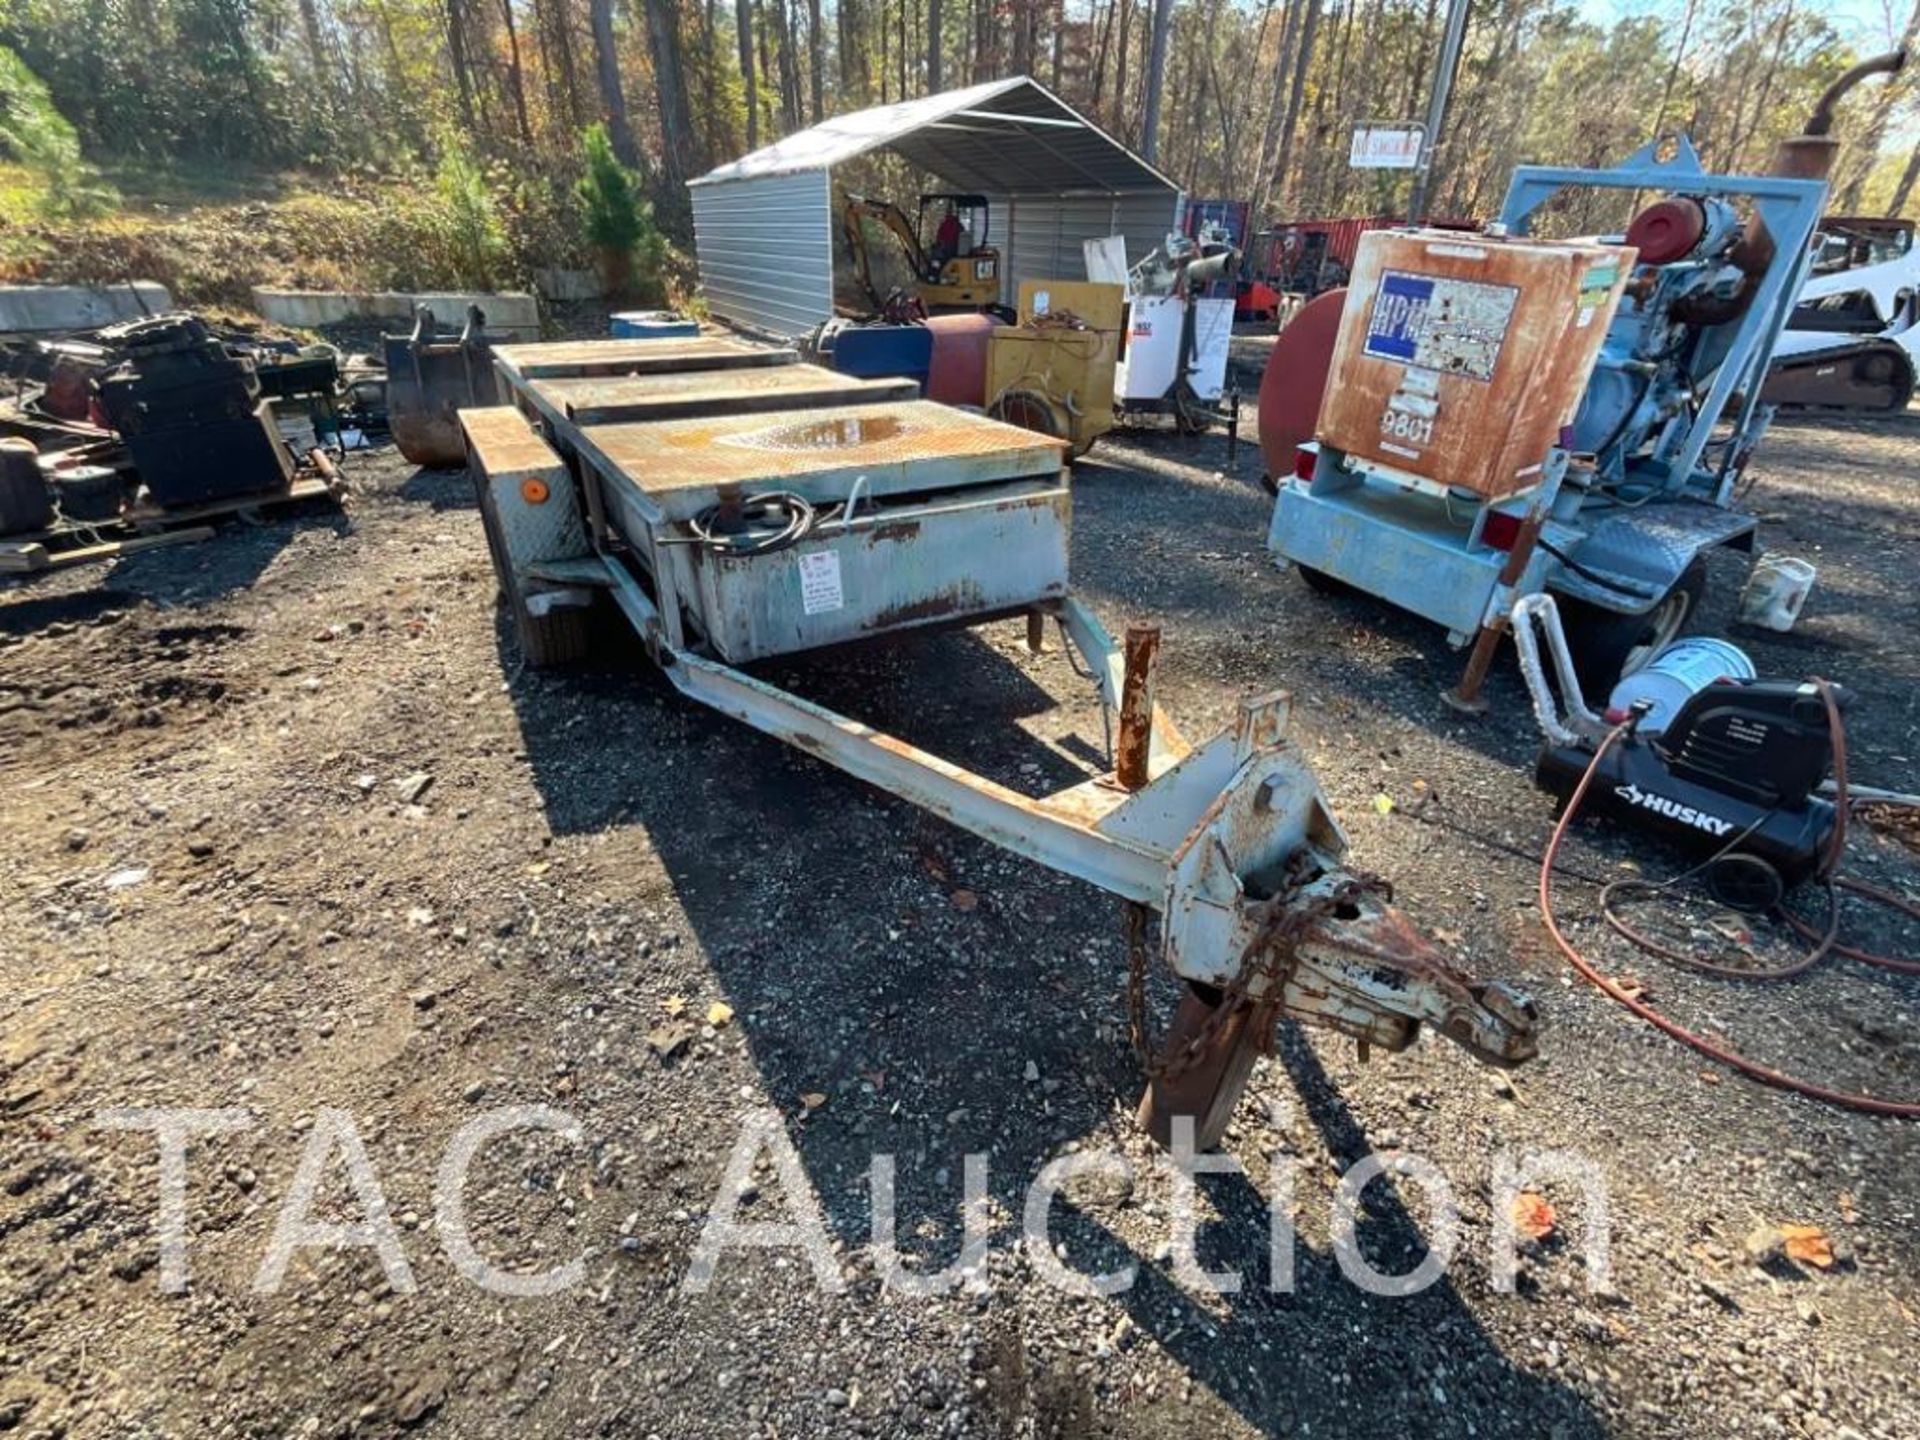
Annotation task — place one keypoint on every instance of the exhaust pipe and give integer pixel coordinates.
(1806, 156)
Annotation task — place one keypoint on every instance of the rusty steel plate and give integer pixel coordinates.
(609, 400)
(634, 357)
(683, 466)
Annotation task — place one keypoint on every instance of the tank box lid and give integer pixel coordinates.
(610, 399)
(681, 467)
(635, 357)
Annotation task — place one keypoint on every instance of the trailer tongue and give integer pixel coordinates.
(731, 537)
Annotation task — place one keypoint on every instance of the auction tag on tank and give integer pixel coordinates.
(1453, 326)
(820, 582)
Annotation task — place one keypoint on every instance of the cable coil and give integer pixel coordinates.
(1826, 941)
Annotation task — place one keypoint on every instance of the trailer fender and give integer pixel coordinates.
(533, 497)
(1628, 562)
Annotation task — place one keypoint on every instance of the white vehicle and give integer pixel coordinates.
(1853, 341)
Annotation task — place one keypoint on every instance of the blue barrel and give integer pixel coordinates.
(653, 325)
(884, 352)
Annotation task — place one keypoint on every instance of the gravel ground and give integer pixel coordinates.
(231, 886)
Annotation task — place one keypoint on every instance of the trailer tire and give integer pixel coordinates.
(562, 636)
(1607, 645)
(1319, 581)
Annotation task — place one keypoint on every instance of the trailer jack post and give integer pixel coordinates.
(1142, 647)
(1465, 698)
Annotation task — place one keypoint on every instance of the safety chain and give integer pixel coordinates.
(1269, 958)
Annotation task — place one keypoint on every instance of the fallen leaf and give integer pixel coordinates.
(1809, 1245)
(539, 867)
(1848, 1211)
(1383, 804)
(964, 900)
(719, 1013)
(674, 1005)
(668, 1040)
(813, 1099)
(1631, 986)
(1533, 1215)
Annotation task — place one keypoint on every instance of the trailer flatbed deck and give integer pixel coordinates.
(550, 360)
(613, 400)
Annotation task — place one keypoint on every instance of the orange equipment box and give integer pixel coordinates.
(1461, 357)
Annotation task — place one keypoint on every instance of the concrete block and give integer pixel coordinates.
(512, 313)
(26, 308)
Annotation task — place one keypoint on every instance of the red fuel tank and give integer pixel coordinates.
(958, 375)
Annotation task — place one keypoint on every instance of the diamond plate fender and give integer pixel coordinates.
(1647, 549)
(535, 500)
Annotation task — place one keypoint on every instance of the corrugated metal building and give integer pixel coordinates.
(764, 224)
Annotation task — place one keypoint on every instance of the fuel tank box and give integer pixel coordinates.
(1460, 357)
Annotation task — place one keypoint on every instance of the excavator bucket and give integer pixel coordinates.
(430, 377)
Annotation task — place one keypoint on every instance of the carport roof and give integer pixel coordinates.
(1005, 137)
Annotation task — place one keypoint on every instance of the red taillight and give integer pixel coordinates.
(1303, 462)
(1501, 530)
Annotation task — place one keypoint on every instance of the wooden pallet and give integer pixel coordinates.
(145, 526)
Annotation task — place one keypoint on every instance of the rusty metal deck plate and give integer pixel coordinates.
(633, 357)
(611, 400)
(680, 467)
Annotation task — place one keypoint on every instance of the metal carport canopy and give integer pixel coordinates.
(763, 224)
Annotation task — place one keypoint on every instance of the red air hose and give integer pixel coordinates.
(1753, 1069)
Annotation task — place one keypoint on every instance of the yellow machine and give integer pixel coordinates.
(953, 268)
(1053, 372)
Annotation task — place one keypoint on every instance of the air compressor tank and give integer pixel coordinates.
(1460, 358)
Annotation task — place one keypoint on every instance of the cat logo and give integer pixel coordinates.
(1673, 810)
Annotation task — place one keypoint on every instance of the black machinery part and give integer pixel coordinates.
(1872, 375)
(1735, 771)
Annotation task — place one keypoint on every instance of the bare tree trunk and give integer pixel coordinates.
(1904, 190)
(856, 67)
(1100, 57)
(515, 72)
(1276, 109)
(933, 46)
(670, 79)
(816, 62)
(743, 25)
(613, 100)
(1120, 69)
(462, 71)
(1302, 61)
(1673, 70)
(789, 65)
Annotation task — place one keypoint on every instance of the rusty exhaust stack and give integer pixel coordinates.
(1806, 156)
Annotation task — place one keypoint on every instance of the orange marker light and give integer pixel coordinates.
(534, 491)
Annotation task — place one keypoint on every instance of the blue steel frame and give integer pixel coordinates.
(1366, 532)
(1791, 211)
